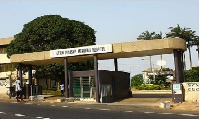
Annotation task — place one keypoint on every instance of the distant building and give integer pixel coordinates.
(154, 72)
(8, 72)
(6, 68)
(149, 72)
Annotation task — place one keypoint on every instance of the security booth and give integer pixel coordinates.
(114, 85)
(177, 93)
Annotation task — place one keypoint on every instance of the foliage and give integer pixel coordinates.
(188, 35)
(184, 33)
(166, 69)
(149, 36)
(50, 32)
(51, 92)
(137, 80)
(191, 75)
(149, 87)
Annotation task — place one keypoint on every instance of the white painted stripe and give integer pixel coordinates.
(39, 117)
(128, 111)
(2, 113)
(105, 109)
(14, 102)
(188, 115)
(166, 113)
(87, 108)
(28, 103)
(193, 115)
(65, 106)
(53, 105)
(148, 112)
(19, 115)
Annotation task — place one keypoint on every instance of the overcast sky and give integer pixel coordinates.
(113, 20)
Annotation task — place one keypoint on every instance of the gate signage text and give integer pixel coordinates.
(87, 50)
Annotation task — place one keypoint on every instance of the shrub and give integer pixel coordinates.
(149, 87)
(137, 80)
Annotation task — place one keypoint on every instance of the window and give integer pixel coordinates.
(7, 67)
(3, 49)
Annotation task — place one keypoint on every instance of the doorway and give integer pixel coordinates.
(84, 87)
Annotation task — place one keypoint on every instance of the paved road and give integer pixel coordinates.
(38, 110)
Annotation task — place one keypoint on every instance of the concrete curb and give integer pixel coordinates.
(152, 91)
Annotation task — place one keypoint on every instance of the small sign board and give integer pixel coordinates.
(86, 50)
(161, 63)
(177, 89)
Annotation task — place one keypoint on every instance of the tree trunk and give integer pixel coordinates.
(190, 58)
(184, 63)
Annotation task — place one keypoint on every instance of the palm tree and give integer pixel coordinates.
(146, 36)
(185, 33)
(149, 36)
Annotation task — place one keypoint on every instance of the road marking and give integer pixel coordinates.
(148, 112)
(65, 106)
(2, 113)
(166, 113)
(87, 108)
(14, 102)
(105, 109)
(193, 115)
(189, 115)
(128, 111)
(19, 115)
(28, 103)
(53, 105)
(39, 117)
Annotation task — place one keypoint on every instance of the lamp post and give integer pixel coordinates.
(150, 62)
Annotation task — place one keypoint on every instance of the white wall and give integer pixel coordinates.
(191, 91)
(4, 58)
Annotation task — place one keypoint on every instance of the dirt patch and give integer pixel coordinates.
(189, 106)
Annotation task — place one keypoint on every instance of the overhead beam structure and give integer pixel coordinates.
(138, 48)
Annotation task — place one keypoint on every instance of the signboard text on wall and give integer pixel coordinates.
(193, 87)
(87, 50)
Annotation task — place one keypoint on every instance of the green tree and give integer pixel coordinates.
(187, 34)
(191, 75)
(50, 32)
(146, 35)
(161, 79)
(137, 80)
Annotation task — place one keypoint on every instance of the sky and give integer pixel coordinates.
(113, 20)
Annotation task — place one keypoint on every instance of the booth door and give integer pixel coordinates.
(84, 87)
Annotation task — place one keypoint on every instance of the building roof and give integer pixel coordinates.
(138, 48)
(6, 41)
(150, 69)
